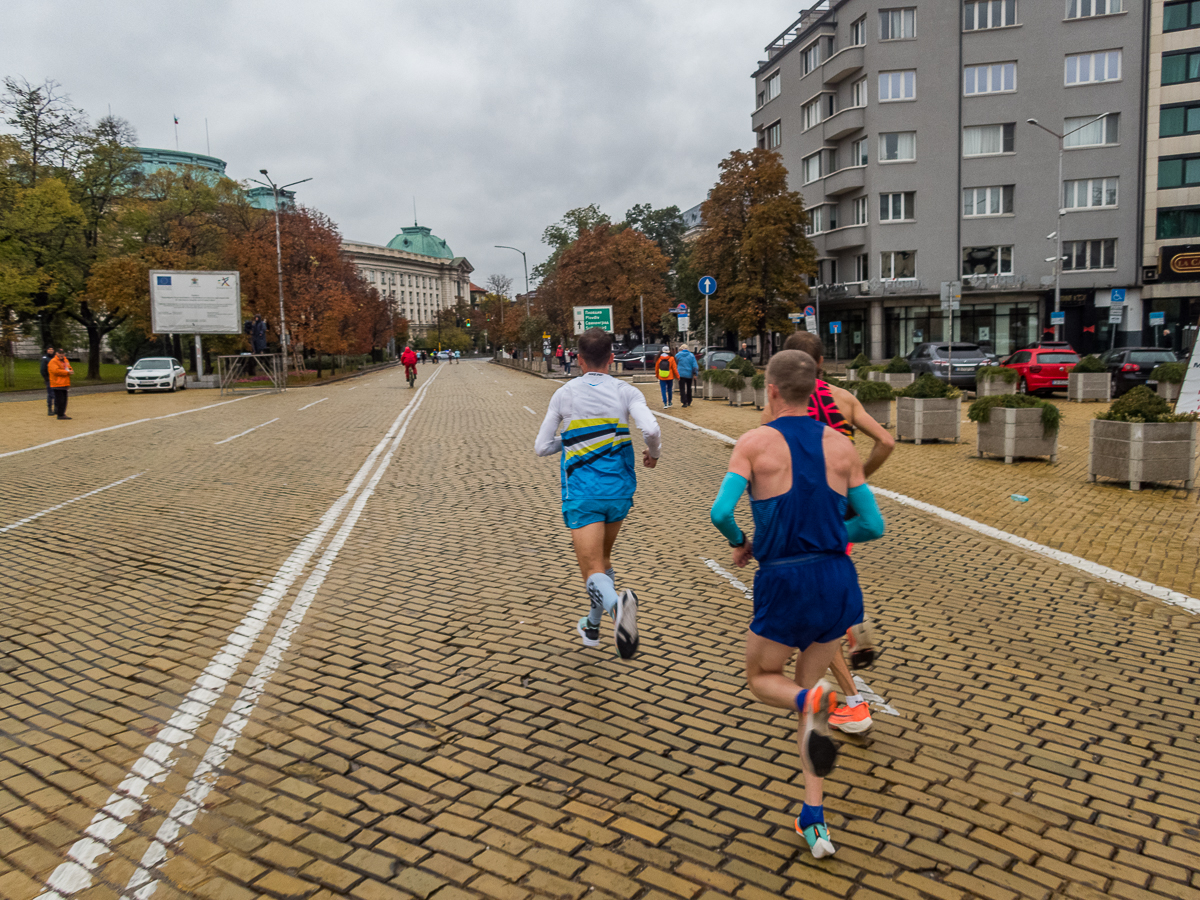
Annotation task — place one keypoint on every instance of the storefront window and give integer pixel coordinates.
(999, 328)
(853, 338)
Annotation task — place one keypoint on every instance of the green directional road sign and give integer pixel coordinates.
(593, 317)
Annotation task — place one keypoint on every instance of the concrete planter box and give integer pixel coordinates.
(740, 398)
(1168, 391)
(880, 411)
(994, 386)
(934, 419)
(1136, 452)
(852, 375)
(714, 391)
(1083, 386)
(1015, 434)
(903, 379)
(760, 397)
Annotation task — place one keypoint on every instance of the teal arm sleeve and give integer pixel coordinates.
(867, 525)
(722, 508)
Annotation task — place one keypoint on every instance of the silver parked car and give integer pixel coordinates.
(937, 358)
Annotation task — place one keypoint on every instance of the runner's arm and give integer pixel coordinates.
(884, 442)
(548, 443)
(722, 509)
(867, 525)
(645, 420)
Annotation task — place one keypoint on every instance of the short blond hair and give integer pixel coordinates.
(794, 372)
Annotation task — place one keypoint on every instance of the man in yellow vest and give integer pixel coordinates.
(667, 373)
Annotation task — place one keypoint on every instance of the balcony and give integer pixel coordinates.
(842, 64)
(845, 237)
(845, 122)
(845, 180)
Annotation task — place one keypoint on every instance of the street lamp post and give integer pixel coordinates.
(525, 263)
(275, 189)
(1058, 230)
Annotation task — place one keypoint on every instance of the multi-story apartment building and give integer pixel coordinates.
(1171, 242)
(904, 126)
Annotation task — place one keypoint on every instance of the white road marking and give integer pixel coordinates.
(873, 698)
(509, 393)
(45, 512)
(1149, 588)
(528, 410)
(156, 762)
(124, 425)
(246, 432)
(729, 576)
(144, 881)
(314, 403)
(354, 387)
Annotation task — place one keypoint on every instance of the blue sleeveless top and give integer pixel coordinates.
(809, 518)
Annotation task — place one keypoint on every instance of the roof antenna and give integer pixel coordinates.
(414, 210)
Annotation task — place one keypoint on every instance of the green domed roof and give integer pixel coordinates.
(422, 241)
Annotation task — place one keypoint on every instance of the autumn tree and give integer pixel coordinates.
(753, 243)
(563, 233)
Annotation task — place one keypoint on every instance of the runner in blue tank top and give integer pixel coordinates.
(802, 475)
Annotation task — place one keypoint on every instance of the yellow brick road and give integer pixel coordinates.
(413, 715)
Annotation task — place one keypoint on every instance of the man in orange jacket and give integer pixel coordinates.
(60, 382)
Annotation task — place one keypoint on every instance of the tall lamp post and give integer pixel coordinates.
(275, 189)
(525, 263)
(1058, 231)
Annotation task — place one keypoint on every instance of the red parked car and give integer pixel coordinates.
(1043, 370)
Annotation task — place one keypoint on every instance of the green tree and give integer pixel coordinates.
(565, 232)
(48, 128)
(753, 243)
(663, 226)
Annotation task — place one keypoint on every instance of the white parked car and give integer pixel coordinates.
(155, 373)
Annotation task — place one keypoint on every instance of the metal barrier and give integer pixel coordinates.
(232, 369)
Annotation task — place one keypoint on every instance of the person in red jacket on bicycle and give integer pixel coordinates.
(409, 358)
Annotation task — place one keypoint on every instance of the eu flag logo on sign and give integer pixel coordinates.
(164, 279)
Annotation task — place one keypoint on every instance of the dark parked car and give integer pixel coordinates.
(640, 357)
(939, 358)
(1131, 366)
(719, 359)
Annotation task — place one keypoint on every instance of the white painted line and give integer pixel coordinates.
(873, 698)
(1149, 588)
(44, 512)
(246, 432)
(124, 425)
(509, 393)
(144, 880)
(354, 387)
(528, 410)
(156, 762)
(728, 576)
(314, 403)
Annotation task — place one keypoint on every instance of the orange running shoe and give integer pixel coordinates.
(816, 746)
(854, 720)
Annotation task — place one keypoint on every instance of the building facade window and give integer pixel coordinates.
(988, 140)
(810, 167)
(897, 24)
(897, 85)
(1079, 255)
(858, 31)
(898, 207)
(860, 211)
(1093, 68)
(1082, 9)
(862, 269)
(811, 114)
(1177, 120)
(993, 78)
(810, 57)
(774, 86)
(979, 14)
(1098, 134)
(898, 264)
(1178, 171)
(897, 146)
(858, 152)
(1181, 221)
(987, 260)
(1178, 68)
(1087, 193)
(995, 200)
(858, 93)
(773, 135)
(1180, 16)
(817, 220)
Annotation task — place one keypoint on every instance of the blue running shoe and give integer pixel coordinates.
(818, 839)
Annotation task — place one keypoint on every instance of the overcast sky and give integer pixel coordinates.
(497, 116)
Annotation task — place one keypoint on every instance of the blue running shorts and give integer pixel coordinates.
(809, 599)
(577, 513)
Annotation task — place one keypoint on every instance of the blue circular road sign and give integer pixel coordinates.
(707, 285)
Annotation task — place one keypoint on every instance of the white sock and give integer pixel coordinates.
(855, 700)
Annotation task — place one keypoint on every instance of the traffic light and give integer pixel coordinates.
(468, 323)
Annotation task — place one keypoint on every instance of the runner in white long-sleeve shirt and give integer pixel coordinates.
(598, 478)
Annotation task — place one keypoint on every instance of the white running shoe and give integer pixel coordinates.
(625, 631)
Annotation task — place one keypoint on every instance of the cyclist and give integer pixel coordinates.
(409, 359)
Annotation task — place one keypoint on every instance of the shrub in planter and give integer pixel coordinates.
(897, 365)
(876, 398)
(853, 367)
(897, 373)
(716, 389)
(758, 384)
(1089, 380)
(1139, 439)
(735, 384)
(1015, 425)
(1169, 377)
(927, 410)
(992, 380)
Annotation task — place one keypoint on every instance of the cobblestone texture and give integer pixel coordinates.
(436, 731)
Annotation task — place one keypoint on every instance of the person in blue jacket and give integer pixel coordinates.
(688, 367)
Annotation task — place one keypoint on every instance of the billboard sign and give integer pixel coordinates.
(1179, 263)
(195, 302)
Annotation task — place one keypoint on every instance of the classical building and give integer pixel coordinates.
(417, 272)
(154, 159)
(1171, 233)
(906, 130)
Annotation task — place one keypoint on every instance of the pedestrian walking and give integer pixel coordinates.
(667, 372)
(60, 372)
(841, 410)
(802, 476)
(598, 478)
(746, 352)
(566, 361)
(46, 357)
(688, 368)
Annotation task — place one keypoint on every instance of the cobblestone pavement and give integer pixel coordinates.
(335, 657)
(1152, 534)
